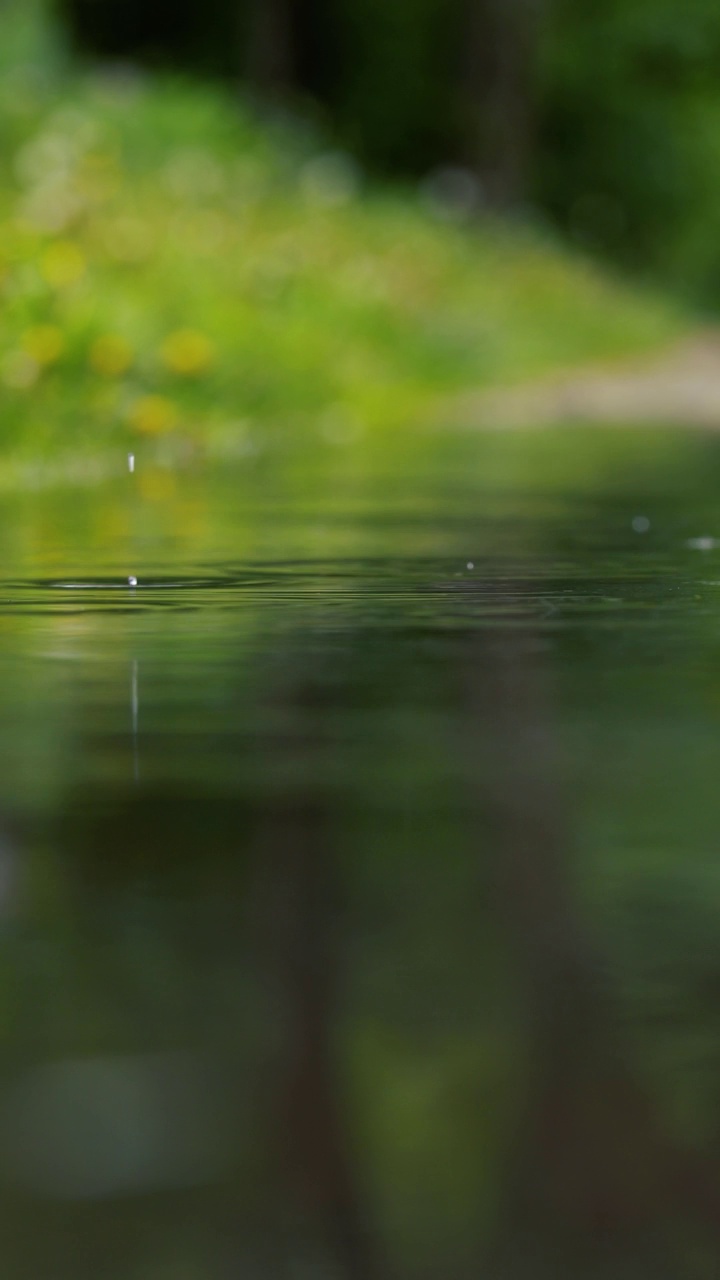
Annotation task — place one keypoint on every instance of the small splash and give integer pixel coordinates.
(132, 580)
(702, 544)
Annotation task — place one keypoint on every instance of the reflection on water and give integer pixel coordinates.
(359, 901)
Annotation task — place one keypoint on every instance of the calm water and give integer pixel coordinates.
(360, 871)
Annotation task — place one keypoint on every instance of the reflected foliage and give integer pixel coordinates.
(398, 957)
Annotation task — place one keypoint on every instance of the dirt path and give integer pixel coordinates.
(681, 387)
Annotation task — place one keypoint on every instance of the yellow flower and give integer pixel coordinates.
(111, 355)
(62, 264)
(44, 343)
(153, 415)
(187, 352)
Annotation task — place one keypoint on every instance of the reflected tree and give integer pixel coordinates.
(297, 851)
(596, 1181)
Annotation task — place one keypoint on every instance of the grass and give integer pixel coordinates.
(174, 273)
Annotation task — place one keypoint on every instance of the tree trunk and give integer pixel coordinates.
(497, 99)
(272, 57)
(316, 1162)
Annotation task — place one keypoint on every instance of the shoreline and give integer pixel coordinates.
(679, 387)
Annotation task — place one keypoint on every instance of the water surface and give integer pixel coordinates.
(359, 880)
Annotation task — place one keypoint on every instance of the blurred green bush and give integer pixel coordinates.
(628, 154)
(173, 272)
(608, 109)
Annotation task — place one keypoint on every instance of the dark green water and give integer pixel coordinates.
(360, 870)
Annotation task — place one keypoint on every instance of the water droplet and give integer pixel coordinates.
(702, 544)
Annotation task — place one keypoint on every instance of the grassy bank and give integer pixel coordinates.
(177, 278)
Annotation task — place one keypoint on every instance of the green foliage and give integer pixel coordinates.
(623, 115)
(628, 156)
(172, 272)
(406, 51)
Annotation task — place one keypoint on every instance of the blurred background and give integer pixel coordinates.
(440, 197)
(359, 889)
(601, 119)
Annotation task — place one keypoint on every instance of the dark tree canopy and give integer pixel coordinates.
(406, 85)
(602, 114)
